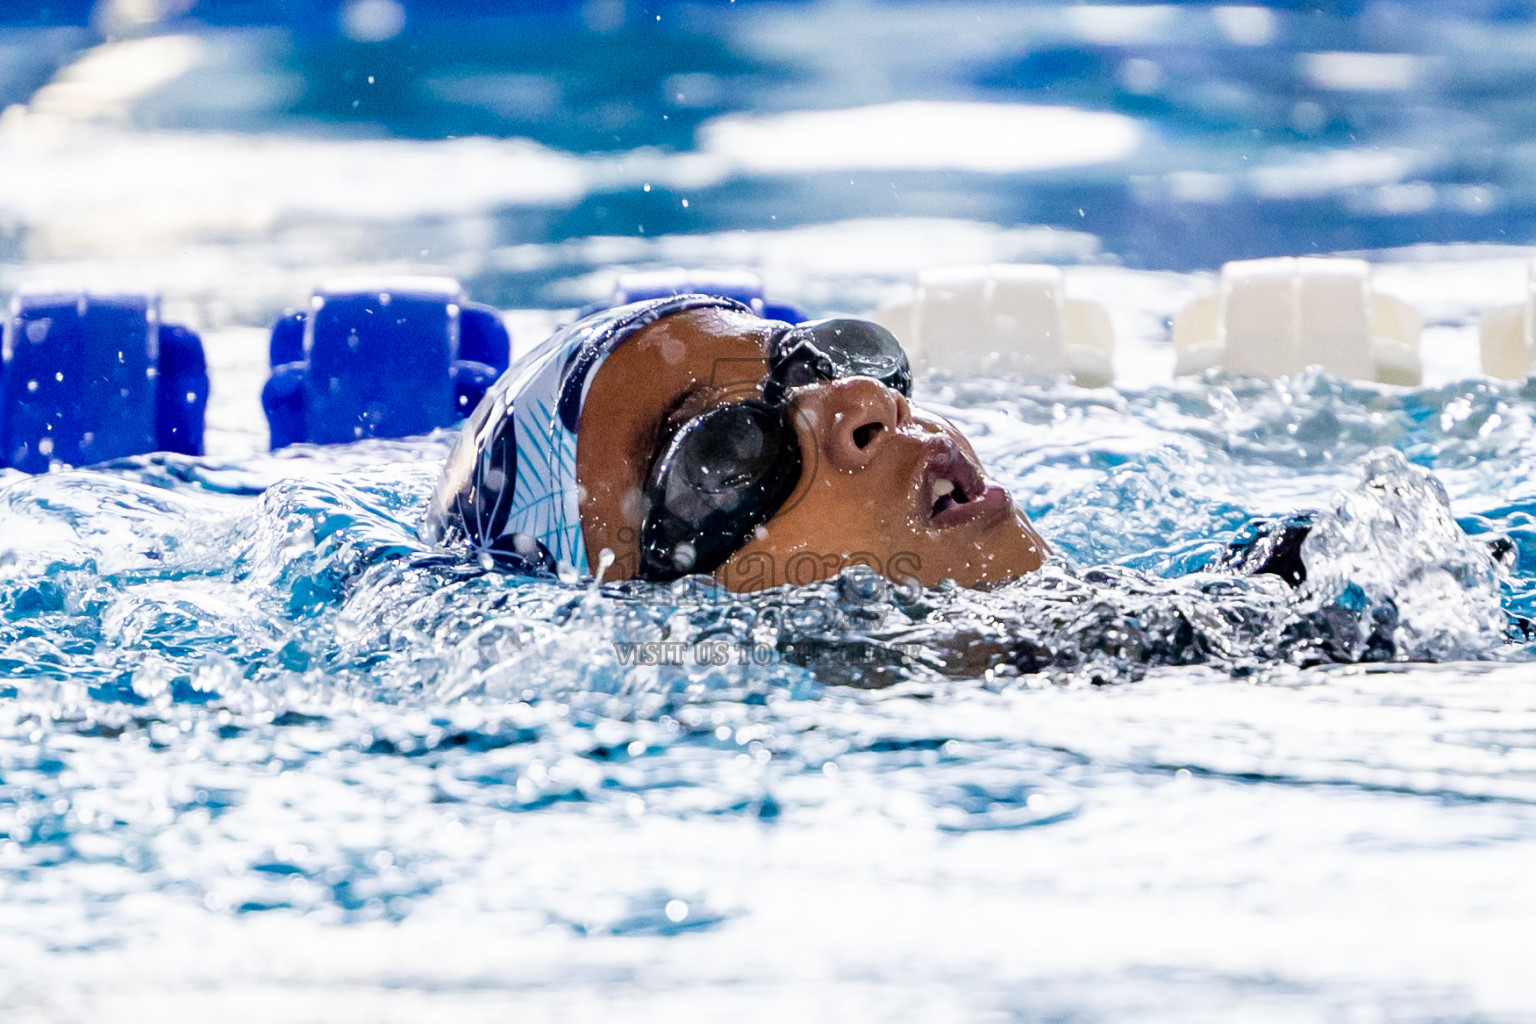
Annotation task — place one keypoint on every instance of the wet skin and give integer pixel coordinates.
(883, 483)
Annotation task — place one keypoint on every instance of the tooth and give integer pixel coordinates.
(941, 488)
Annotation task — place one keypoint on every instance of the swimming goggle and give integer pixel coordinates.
(727, 471)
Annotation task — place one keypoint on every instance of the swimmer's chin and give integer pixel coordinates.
(996, 542)
(991, 548)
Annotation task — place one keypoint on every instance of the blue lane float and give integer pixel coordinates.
(89, 376)
(742, 285)
(380, 357)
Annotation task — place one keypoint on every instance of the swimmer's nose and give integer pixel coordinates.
(852, 419)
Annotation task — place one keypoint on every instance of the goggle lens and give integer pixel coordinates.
(730, 447)
(723, 474)
(833, 349)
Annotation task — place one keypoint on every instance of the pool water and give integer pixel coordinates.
(258, 739)
(264, 755)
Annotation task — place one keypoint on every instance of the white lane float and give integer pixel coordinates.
(1003, 318)
(1278, 316)
(1507, 335)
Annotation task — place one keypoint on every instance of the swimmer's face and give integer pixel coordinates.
(880, 484)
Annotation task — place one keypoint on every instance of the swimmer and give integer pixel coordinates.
(687, 435)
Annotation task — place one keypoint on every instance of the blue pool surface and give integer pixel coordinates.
(264, 755)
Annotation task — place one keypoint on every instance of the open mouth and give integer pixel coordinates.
(955, 491)
(947, 494)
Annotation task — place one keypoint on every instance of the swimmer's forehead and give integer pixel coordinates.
(680, 353)
(697, 332)
(692, 358)
(674, 366)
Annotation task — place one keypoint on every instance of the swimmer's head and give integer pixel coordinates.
(805, 452)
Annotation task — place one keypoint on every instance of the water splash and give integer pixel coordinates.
(1389, 558)
(211, 665)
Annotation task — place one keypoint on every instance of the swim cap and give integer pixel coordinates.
(509, 488)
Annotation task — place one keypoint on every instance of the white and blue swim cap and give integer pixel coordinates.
(509, 489)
